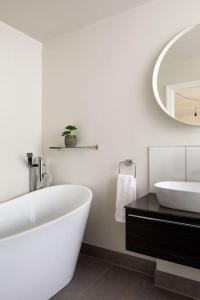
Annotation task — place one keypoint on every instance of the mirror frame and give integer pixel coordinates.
(157, 67)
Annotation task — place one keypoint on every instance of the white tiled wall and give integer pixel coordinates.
(193, 163)
(173, 163)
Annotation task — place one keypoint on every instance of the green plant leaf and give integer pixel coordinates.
(66, 133)
(71, 127)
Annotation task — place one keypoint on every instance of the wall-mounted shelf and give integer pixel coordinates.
(95, 147)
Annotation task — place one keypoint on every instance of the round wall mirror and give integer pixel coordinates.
(176, 77)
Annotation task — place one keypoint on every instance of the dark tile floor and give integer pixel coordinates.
(98, 280)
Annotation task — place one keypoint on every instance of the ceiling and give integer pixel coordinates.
(45, 19)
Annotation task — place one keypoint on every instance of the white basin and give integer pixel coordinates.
(179, 195)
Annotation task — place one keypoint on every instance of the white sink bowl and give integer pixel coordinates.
(179, 195)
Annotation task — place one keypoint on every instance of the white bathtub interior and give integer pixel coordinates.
(37, 208)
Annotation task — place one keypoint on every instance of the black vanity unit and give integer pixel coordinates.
(163, 233)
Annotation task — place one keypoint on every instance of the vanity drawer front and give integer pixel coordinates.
(169, 240)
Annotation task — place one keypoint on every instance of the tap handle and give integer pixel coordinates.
(30, 158)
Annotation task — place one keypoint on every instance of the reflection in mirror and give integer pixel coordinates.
(176, 79)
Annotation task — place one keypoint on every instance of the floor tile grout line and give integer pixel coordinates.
(112, 267)
(98, 278)
(120, 266)
(95, 281)
(175, 292)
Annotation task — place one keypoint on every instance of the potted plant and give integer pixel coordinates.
(70, 139)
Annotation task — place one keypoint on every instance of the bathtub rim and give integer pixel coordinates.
(12, 236)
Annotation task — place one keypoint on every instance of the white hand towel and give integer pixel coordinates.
(126, 193)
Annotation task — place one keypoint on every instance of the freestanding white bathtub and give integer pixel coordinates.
(40, 239)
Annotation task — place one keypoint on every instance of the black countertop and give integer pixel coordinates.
(149, 203)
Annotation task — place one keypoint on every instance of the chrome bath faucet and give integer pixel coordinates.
(39, 165)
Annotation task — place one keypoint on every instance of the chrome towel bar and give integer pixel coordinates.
(127, 162)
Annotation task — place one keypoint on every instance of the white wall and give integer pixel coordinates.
(178, 270)
(99, 78)
(20, 108)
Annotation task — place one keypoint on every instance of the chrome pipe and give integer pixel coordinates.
(40, 165)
